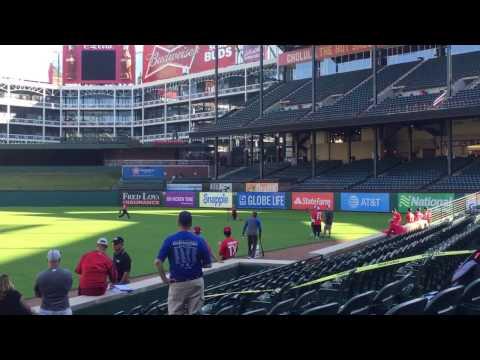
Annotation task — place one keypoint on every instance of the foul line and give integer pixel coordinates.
(354, 270)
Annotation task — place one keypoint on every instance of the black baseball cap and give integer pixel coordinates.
(118, 240)
(185, 219)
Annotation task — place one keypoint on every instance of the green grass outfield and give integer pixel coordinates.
(26, 234)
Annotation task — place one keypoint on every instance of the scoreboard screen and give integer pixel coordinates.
(98, 65)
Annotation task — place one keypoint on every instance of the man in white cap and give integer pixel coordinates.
(53, 285)
(95, 268)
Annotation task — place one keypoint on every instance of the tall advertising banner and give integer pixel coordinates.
(220, 200)
(143, 172)
(421, 200)
(261, 200)
(261, 187)
(98, 64)
(140, 198)
(368, 202)
(308, 200)
(168, 61)
(179, 199)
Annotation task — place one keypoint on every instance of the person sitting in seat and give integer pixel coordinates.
(229, 246)
(395, 229)
(468, 271)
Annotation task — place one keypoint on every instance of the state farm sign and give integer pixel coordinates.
(168, 61)
(307, 200)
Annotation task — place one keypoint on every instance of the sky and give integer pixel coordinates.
(31, 62)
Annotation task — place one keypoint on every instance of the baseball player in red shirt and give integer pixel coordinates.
(396, 217)
(418, 215)
(124, 211)
(229, 246)
(94, 268)
(427, 215)
(314, 214)
(409, 217)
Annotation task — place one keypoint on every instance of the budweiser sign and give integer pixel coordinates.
(175, 56)
(167, 61)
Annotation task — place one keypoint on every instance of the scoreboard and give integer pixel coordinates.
(98, 64)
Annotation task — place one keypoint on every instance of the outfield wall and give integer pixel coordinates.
(58, 198)
(339, 201)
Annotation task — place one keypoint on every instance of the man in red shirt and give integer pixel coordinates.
(409, 217)
(427, 215)
(418, 215)
(396, 217)
(314, 214)
(317, 225)
(229, 246)
(124, 211)
(395, 229)
(94, 268)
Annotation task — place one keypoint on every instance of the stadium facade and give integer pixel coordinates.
(37, 112)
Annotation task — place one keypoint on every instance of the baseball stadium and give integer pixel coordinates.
(242, 180)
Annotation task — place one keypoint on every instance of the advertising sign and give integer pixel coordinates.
(184, 187)
(261, 187)
(143, 172)
(369, 202)
(251, 53)
(140, 198)
(98, 64)
(179, 199)
(321, 52)
(169, 61)
(221, 200)
(308, 200)
(221, 187)
(421, 200)
(261, 200)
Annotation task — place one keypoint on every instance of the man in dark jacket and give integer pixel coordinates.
(253, 228)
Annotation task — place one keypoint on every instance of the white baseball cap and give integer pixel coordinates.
(53, 255)
(102, 241)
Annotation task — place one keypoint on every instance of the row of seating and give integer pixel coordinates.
(413, 175)
(346, 176)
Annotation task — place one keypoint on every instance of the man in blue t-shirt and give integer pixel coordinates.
(186, 254)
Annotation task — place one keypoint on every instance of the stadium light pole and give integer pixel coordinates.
(449, 70)
(450, 147)
(375, 151)
(313, 144)
(261, 156)
(216, 112)
(261, 81)
(314, 79)
(410, 142)
(374, 70)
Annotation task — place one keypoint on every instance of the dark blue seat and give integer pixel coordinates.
(412, 307)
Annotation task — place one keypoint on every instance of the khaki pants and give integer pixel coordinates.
(185, 298)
